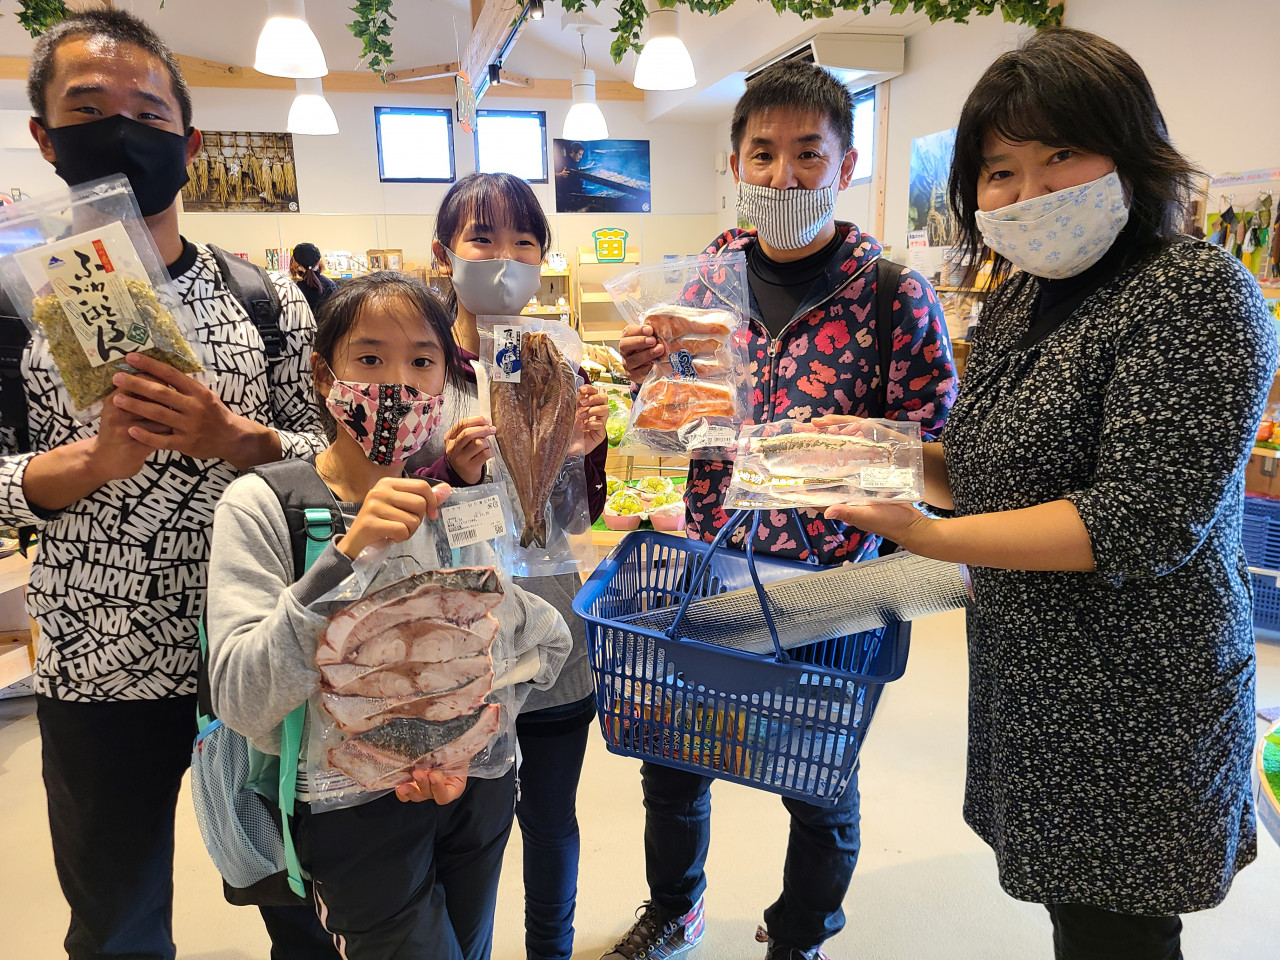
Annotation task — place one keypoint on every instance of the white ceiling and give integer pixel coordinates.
(723, 47)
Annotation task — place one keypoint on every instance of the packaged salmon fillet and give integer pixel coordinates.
(698, 394)
(789, 464)
(82, 269)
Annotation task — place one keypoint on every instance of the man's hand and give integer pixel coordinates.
(466, 446)
(593, 412)
(640, 350)
(432, 785)
(197, 422)
(393, 510)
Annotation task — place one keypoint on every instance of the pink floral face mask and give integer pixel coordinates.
(391, 421)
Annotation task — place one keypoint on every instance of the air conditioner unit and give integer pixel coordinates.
(858, 60)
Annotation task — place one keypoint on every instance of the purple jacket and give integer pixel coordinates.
(827, 361)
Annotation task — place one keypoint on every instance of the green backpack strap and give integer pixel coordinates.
(319, 526)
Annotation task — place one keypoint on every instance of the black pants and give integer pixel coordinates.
(1083, 932)
(407, 881)
(112, 772)
(296, 934)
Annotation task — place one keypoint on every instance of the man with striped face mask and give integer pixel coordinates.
(834, 330)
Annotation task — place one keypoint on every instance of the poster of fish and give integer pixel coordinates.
(239, 172)
(927, 210)
(602, 176)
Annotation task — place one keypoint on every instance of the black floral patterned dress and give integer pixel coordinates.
(1111, 713)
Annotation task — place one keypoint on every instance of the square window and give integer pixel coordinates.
(415, 144)
(512, 141)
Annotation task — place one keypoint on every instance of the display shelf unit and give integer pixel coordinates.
(17, 646)
(598, 319)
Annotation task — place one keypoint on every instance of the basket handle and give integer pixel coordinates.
(704, 566)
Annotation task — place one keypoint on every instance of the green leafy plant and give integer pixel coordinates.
(632, 13)
(37, 16)
(372, 27)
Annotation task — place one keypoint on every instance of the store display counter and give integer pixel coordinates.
(17, 650)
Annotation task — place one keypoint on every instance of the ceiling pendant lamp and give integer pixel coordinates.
(584, 121)
(311, 113)
(286, 46)
(664, 62)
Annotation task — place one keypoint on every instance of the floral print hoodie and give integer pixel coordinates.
(827, 361)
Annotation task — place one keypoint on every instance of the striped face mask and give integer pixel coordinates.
(786, 219)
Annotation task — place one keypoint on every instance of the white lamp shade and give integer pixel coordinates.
(311, 113)
(584, 120)
(287, 47)
(664, 62)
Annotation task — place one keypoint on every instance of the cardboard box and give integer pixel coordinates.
(1262, 475)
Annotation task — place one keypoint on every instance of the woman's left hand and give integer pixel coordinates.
(593, 411)
(900, 522)
(431, 785)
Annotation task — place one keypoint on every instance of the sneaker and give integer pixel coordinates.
(777, 950)
(653, 937)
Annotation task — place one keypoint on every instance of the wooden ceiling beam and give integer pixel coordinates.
(487, 37)
(200, 72)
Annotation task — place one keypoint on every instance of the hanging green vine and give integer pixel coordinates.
(372, 27)
(37, 16)
(632, 13)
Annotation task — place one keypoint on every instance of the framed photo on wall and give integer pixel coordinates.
(602, 176)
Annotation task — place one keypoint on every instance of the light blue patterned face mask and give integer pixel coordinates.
(1060, 234)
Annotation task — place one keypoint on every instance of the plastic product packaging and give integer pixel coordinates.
(527, 384)
(698, 394)
(792, 464)
(415, 670)
(82, 269)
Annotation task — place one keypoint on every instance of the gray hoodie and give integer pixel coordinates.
(262, 640)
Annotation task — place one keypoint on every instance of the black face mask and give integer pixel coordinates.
(155, 161)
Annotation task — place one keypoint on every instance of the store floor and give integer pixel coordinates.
(925, 885)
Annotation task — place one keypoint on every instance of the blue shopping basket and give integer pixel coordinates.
(790, 722)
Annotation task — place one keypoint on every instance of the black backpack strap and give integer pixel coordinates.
(299, 488)
(888, 275)
(14, 337)
(250, 285)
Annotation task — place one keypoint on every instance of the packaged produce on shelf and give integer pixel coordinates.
(415, 672)
(606, 360)
(653, 486)
(527, 381)
(666, 512)
(83, 271)
(698, 393)
(616, 425)
(623, 510)
(791, 464)
(612, 486)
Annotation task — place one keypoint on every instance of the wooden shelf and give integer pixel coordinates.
(1266, 452)
(601, 297)
(587, 256)
(957, 290)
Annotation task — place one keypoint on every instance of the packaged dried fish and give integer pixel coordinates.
(792, 464)
(82, 268)
(698, 394)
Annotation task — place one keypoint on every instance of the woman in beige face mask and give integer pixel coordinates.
(1094, 463)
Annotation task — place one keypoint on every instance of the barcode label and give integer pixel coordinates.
(701, 435)
(887, 478)
(469, 523)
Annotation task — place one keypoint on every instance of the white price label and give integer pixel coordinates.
(701, 435)
(876, 477)
(468, 523)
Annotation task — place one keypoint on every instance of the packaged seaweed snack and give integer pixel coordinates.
(791, 464)
(416, 671)
(698, 393)
(82, 269)
(527, 384)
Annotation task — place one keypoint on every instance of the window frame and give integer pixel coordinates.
(868, 93)
(417, 111)
(542, 119)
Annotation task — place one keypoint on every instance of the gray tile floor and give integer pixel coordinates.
(925, 886)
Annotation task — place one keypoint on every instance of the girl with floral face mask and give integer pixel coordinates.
(382, 870)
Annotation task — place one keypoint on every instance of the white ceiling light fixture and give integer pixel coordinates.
(664, 62)
(584, 121)
(311, 113)
(286, 46)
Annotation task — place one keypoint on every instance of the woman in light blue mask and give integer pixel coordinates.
(491, 236)
(1094, 466)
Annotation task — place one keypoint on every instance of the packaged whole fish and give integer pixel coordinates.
(358, 714)
(790, 464)
(534, 420)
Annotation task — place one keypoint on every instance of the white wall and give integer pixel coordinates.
(1218, 109)
(345, 206)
